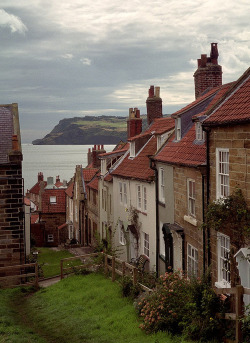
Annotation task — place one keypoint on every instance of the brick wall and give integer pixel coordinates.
(193, 233)
(154, 104)
(11, 214)
(51, 222)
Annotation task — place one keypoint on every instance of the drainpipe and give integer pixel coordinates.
(153, 167)
(203, 229)
(207, 130)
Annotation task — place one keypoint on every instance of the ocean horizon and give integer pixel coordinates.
(53, 160)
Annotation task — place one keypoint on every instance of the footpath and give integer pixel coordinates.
(77, 251)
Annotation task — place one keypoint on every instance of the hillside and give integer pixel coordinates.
(87, 130)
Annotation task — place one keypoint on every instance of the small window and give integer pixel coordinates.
(145, 199)
(161, 186)
(200, 134)
(178, 129)
(125, 193)
(146, 244)
(223, 251)
(222, 172)
(191, 197)
(52, 199)
(122, 239)
(138, 196)
(120, 192)
(192, 261)
(50, 238)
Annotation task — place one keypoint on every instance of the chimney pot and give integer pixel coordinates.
(203, 60)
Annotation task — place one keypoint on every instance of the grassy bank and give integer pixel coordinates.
(49, 260)
(78, 309)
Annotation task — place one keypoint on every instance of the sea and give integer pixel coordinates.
(53, 160)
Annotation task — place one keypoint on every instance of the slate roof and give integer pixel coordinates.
(185, 152)
(6, 133)
(234, 107)
(138, 167)
(159, 126)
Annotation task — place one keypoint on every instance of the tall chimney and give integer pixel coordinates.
(134, 123)
(154, 104)
(208, 74)
(40, 177)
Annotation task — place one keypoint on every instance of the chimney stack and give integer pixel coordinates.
(40, 177)
(154, 104)
(208, 74)
(134, 123)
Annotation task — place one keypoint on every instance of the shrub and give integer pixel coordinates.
(129, 289)
(245, 321)
(179, 305)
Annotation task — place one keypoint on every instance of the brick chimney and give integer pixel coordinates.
(97, 150)
(40, 177)
(208, 74)
(154, 104)
(134, 123)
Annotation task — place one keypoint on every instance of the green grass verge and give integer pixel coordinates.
(104, 123)
(79, 309)
(50, 261)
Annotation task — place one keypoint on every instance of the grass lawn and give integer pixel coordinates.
(79, 309)
(50, 260)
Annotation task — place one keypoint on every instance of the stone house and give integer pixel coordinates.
(11, 188)
(227, 127)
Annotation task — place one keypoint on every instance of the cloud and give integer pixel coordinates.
(67, 56)
(11, 21)
(86, 61)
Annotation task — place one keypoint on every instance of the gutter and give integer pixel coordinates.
(153, 167)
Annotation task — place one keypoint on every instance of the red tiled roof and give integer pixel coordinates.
(58, 184)
(115, 152)
(89, 173)
(184, 152)
(94, 183)
(108, 177)
(159, 126)
(34, 218)
(138, 167)
(36, 188)
(69, 190)
(62, 226)
(235, 105)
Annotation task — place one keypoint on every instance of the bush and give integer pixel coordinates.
(179, 305)
(245, 321)
(129, 289)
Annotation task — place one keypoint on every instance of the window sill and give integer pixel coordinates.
(222, 284)
(190, 220)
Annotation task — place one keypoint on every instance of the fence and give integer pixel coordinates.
(20, 274)
(238, 292)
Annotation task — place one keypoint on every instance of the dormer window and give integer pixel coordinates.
(132, 149)
(200, 134)
(178, 129)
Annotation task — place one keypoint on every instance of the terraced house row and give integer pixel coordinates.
(150, 195)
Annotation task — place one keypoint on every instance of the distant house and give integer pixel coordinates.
(11, 188)
(48, 226)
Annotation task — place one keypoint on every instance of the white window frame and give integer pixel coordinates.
(76, 214)
(139, 196)
(132, 149)
(122, 239)
(125, 195)
(144, 196)
(223, 252)
(192, 261)
(191, 197)
(222, 173)
(178, 129)
(161, 185)
(146, 244)
(199, 133)
(120, 192)
(52, 199)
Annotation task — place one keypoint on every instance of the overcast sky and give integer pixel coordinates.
(66, 58)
